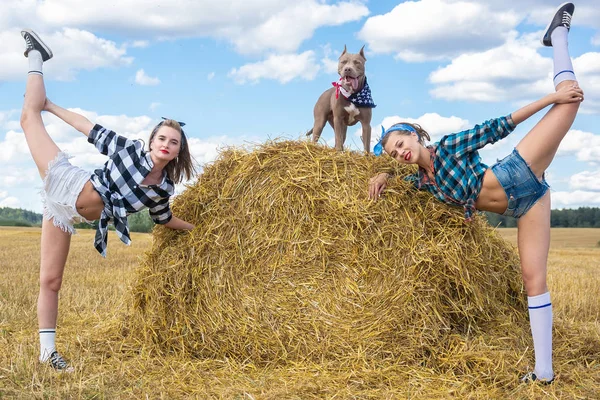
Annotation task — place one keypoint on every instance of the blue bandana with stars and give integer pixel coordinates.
(363, 98)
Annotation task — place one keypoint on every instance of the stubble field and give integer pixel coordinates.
(94, 297)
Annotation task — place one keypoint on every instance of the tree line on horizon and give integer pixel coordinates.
(583, 217)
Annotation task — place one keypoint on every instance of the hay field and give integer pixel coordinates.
(94, 296)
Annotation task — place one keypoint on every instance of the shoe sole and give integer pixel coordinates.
(41, 43)
(550, 23)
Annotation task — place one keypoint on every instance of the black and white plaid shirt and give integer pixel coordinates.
(119, 184)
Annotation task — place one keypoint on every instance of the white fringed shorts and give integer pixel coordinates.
(62, 185)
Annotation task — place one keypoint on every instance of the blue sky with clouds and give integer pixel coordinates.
(242, 71)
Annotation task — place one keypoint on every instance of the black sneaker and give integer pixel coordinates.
(58, 363)
(33, 42)
(530, 377)
(562, 17)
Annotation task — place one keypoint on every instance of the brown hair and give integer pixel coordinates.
(421, 133)
(182, 167)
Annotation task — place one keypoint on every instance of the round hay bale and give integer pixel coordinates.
(291, 262)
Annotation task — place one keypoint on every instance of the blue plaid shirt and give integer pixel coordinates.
(120, 186)
(457, 166)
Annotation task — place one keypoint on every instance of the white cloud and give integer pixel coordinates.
(14, 146)
(575, 199)
(141, 78)
(7, 121)
(283, 68)
(74, 50)
(539, 12)
(514, 70)
(437, 29)
(140, 44)
(511, 72)
(253, 26)
(11, 202)
(207, 150)
(584, 145)
(17, 174)
(154, 106)
(210, 76)
(330, 66)
(586, 180)
(285, 30)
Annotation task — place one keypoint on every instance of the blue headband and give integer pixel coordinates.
(378, 149)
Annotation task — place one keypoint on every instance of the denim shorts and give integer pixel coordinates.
(62, 185)
(523, 189)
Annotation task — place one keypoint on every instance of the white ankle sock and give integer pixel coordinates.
(47, 343)
(540, 318)
(35, 62)
(563, 68)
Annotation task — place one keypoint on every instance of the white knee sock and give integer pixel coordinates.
(35, 62)
(540, 318)
(47, 343)
(563, 68)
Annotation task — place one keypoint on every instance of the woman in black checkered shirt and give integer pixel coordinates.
(132, 179)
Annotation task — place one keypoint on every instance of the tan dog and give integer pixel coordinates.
(348, 102)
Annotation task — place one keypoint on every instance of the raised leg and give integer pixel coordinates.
(539, 146)
(42, 147)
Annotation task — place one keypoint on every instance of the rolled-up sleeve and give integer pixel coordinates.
(161, 213)
(108, 142)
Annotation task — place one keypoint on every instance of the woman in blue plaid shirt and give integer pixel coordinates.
(131, 180)
(453, 172)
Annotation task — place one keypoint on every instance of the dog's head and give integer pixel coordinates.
(351, 67)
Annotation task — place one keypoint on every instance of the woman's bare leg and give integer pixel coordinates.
(539, 146)
(42, 147)
(534, 243)
(55, 242)
(55, 249)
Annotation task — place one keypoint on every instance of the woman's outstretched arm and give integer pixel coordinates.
(77, 121)
(565, 94)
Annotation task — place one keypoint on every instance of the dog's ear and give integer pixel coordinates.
(362, 52)
(343, 52)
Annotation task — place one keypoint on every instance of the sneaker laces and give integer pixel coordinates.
(29, 42)
(57, 362)
(566, 19)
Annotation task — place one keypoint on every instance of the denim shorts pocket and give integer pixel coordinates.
(519, 182)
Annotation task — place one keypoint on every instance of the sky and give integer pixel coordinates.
(240, 72)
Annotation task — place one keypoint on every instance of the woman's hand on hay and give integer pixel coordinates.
(377, 185)
(179, 224)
